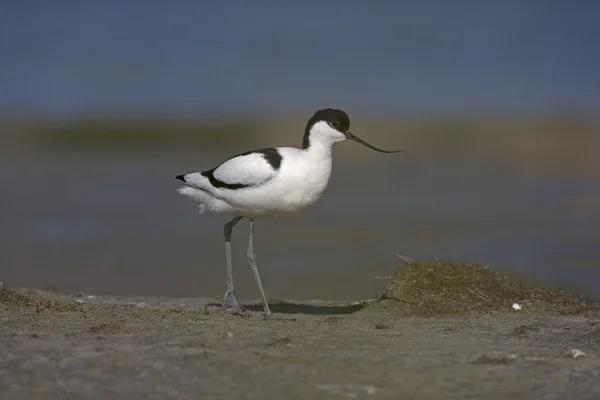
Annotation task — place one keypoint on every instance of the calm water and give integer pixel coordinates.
(116, 225)
(190, 56)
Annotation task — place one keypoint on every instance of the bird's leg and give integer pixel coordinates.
(230, 300)
(252, 261)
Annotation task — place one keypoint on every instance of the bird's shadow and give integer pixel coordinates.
(284, 307)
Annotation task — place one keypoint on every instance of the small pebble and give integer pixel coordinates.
(575, 353)
(516, 306)
(79, 301)
(91, 296)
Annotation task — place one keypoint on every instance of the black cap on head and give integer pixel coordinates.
(338, 119)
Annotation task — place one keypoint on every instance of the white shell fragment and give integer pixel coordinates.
(575, 353)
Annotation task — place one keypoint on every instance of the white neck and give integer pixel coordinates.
(319, 148)
(321, 139)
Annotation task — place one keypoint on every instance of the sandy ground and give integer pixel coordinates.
(75, 347)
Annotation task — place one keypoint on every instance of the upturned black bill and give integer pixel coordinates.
(359, 140)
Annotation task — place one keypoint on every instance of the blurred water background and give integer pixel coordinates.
(102, 103)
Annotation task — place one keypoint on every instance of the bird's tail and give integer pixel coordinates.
(196, 188)
(195, 180)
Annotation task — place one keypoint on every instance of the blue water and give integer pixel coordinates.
(67, 58)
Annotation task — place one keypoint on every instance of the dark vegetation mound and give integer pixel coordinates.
(436, 288)
(9, 297)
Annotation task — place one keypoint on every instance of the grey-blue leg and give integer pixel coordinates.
(230, 300)
(252, 261)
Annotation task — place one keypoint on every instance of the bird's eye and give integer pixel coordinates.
(335, 124)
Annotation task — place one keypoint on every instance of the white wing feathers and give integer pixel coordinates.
(247, 170)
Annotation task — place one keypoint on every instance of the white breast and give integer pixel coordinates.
(298, 184)
(304, 176)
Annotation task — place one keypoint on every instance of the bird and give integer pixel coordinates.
(268, 183)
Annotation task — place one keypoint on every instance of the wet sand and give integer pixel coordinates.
(66, 346)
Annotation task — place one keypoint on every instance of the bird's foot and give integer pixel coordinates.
(231, 302)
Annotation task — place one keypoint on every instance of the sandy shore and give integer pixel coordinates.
(65, 346)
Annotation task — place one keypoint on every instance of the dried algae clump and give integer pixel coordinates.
(439, 287)
(11, 297)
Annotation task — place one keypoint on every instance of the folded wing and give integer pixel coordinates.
(245, 170)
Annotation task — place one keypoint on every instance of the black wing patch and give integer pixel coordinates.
(271, 155)
(220, 184)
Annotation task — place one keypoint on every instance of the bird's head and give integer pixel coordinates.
(329, 126)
